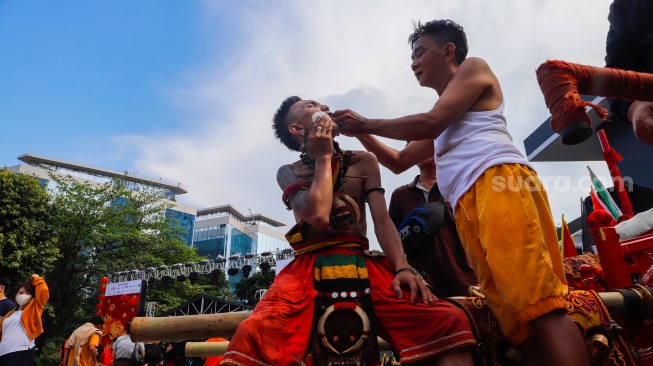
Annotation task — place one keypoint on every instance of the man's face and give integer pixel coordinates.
(427, 163)
(2, 289)
(302, 113)
(428, 61)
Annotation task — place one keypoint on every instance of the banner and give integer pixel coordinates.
(120, 302)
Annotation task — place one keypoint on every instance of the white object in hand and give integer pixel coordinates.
(317, 115)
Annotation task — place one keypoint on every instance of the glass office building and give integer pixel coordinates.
(224, 231)
(215, 231)
(41, 167)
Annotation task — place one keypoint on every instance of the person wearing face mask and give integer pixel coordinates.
(19, 327)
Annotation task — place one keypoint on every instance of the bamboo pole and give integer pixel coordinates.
(203, 349)
(174, 328)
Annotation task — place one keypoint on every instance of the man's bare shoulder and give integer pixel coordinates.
(365, 156)
(287, 174)
(475, 64)
(366, 162)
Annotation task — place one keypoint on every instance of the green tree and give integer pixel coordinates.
(174, 293)
(82, 231)
(103, 229)
(246, 289)
(27, 243)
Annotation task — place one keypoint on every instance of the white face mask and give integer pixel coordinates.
(23, 299)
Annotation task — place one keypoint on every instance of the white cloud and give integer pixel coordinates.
(351, 54)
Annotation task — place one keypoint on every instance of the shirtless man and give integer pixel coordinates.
(327, 190)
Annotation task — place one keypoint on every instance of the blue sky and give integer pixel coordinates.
(77, 72)
(184, 90)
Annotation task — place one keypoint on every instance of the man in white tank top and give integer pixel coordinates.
(502, 212)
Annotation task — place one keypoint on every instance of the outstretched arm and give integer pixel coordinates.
(389, 238)
(398, 161)
(472, 78)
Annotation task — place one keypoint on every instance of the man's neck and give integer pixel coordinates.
(427, 179)
(2, 296)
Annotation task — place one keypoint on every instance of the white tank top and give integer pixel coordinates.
(468, 147)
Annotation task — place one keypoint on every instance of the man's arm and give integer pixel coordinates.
(398, 161)
(471, 80)
(622, 51)
(92, 348)
(313, 205)
(388, 237)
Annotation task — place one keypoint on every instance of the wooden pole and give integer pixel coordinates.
(175, 328)
(203, 349)
(195, 327)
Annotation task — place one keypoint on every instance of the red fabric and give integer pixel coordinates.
(563, 82)
(290, 190)
(105, 357)
(612, 158)
(569, 249)
(598, 219)
(278, 331)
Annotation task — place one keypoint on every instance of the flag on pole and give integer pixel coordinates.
(604, 197)
(597, 203)
(568, 247)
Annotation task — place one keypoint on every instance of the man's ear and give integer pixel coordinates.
(450, 51)
(296, 129)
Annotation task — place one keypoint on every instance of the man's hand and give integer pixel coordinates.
(319, 142)
(350, 122)
(415, 282)
(641, 115)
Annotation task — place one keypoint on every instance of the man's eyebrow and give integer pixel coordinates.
(418, 48)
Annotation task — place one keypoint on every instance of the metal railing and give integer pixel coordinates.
(192, 270)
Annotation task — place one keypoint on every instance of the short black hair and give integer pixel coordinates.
(4, 281)
(442, 32)
(96, 320)
(128, 327)
(29, 288)
(280, 124)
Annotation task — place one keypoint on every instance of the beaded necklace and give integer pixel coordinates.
(338, 167)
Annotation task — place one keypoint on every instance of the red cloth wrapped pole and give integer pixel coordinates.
(563, 82)
(611, 158)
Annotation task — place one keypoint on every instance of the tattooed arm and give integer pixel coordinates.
(313, 204)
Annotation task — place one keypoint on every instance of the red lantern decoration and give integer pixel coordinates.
(133, 302)
(100, 297)
(124, 298)
(103, 288)
(99, 305)
(104, 280)
(98, 313)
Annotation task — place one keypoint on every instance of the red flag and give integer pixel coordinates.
(568, 246)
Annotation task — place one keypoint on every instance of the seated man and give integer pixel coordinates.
(332, 275)
(437, 254)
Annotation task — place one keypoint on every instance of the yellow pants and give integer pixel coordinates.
(505, 225)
